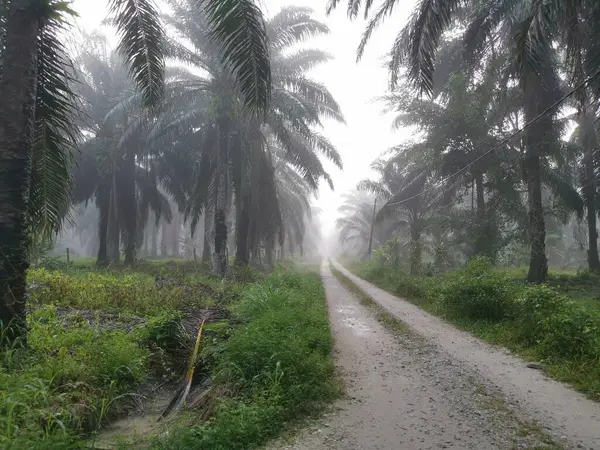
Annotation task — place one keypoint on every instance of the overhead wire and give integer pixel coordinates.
(504, 141)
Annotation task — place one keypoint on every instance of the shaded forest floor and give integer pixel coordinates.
(108, 344)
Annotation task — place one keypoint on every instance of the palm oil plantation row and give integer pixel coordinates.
(502, 99)
(225, 130)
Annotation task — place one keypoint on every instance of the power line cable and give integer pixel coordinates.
(504, 141)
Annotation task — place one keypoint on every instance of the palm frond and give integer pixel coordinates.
(141, 44)
(374, 187)
(292, 25)
(418, 41)
(56, 135)
(384, 11)
(562, 189)
(239, 28)
(300, 61)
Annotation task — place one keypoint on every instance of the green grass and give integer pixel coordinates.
(69, 381)
(276, 368)
(96, 337)
(557, 324)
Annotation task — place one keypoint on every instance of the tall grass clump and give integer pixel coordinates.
(276, 367)
(477, 292)
(67, 382)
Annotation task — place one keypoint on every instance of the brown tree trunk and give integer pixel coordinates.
(269, 253)
(206, 243)
(113, 233)
(591, 147)
(131, 217)
(164, 239)
(415, 250)
(538, 265)
(18, 94)
(103, 208)
(482, 239)
(242, 229)
(153, 238)
(220, 252)
(175, 231)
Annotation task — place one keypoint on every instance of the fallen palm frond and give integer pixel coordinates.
(183, 391)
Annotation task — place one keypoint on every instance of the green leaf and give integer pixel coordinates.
(141, 45)
(239, 28)
(55, 132)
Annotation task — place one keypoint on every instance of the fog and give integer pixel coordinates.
(355, 85)
(435, 164)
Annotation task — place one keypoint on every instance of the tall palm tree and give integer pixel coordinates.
(28, 31)
(528, 29)
(233, 154)
(355, 221)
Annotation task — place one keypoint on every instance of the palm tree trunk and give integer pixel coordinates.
(164, 239)
(18, 94)
(220, 255)
(113, 229)
(175, 233)
(591, 147)
(206, 244)
(372, 229)
(153, 238)
(242, 230)
(482, 239)
(415, 250)
(103, 209)
(538, 264)
(269, 252)
(131, 217)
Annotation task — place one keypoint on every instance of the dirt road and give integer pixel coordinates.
(568, 416)
(414, 390)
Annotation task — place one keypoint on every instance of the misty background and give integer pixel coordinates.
(355, 85)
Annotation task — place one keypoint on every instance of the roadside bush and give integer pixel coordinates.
(477, 292)
(535, 304)
(572, 334)
(83, 354)
(412, 287)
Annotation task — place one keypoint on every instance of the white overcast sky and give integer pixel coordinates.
(367, 132)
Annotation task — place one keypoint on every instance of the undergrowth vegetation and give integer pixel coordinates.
(101, 339)
(549, 323)
(276, 367)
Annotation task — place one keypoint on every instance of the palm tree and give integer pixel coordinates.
(527, 29)
(29, 30)
(411, 197)
(234, 158)
(114, 166)
(355, 221)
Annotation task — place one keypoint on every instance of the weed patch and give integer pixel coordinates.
(276, 367)
(133, 292)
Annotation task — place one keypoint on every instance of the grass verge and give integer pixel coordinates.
(535, 321)
(274, 369)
